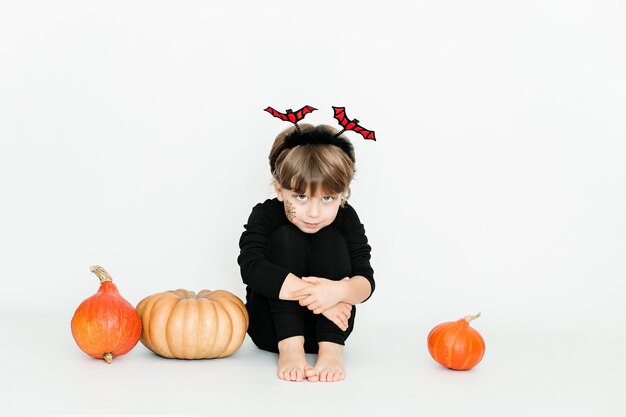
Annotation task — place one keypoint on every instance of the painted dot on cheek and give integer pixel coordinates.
(290, 211)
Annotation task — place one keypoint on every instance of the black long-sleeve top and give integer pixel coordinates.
(265, 277)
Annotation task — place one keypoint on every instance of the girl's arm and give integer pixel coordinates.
(291, 284)
(353, 230)
(325, 293)
(353, 290)
(339, 313)
(257, 272)
(357, 289)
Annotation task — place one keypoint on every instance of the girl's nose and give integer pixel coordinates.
(312, 209)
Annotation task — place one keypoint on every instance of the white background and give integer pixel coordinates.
(132, 136)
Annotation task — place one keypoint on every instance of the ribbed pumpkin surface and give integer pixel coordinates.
(456, 345)
(184, 325)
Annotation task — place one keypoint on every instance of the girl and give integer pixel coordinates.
(304, 255)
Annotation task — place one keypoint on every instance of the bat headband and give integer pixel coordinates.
(347, 124)
(312, 137)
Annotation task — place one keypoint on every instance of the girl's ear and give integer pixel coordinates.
(278, 189)
(344, 197)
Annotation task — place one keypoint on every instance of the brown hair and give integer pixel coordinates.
(320, 160)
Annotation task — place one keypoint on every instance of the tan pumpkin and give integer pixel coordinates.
(184, 325)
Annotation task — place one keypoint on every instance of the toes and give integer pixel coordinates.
(313, 378)
(330, 375)
(311, 374)
(324, 375)
(296, 375)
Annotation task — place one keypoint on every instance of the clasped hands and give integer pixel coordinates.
(325, 296)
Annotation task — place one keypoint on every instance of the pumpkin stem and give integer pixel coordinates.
(470, 318)
(186, 294)
(101, 273)
(108, 357)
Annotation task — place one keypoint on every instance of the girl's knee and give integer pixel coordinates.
(330, 255)
(287, 247)
(286, 238)
(331, 235)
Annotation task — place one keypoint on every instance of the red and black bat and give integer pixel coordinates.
(290, 116)
(347, 124)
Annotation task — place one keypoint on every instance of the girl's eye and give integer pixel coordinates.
(328, 199)
(301, 197)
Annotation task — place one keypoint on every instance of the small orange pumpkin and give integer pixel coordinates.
(456, 345)
(105, 325)
(184, 325)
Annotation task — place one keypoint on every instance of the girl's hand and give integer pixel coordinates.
(322, 295)
(339, 314)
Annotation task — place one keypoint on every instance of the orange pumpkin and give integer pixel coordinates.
(456, 345)
(184, 325)
(105, 325)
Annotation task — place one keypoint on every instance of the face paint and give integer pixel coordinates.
(290, 210)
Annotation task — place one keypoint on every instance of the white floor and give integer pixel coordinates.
(43, 373)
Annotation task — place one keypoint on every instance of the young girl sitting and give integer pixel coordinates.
(304, 255)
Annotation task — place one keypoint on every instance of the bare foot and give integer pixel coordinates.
(292, 364)
(330, 365)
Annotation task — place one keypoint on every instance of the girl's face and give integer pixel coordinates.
(309, 213)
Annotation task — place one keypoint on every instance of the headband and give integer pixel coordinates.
(299, 138)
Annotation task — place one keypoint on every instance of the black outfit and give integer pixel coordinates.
(272, 247)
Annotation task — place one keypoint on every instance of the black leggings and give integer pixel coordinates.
(323, 254)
